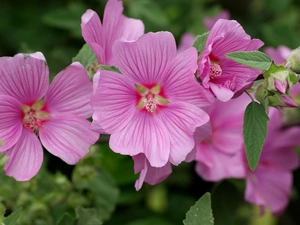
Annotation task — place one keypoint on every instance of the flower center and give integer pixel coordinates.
(34, 117)
(150, 98)
(215, 71)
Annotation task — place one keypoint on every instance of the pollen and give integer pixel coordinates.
(215, 71)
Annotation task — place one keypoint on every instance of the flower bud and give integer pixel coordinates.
(280, 86)
(293, 61)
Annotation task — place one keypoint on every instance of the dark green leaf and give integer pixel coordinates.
(254, 59)
(200, 41)
(87, 217)
(200, 213)
(88, 59)
(254, 131)
(13, 218)
(66, 220)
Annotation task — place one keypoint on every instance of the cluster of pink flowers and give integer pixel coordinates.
(167, 106)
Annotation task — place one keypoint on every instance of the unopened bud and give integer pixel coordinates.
(280, 86)
(293, 61)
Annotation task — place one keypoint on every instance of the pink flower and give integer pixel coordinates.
(219, 155)
(271, 183)
(100, 37)
(186, 41)
(279, 55)
(149, 174)
(220, 75)
(209, 22)
(152, 108)
(32, 111)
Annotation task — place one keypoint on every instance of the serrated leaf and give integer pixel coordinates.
(200, 213)
(200, 41)
(88, 59)
(255, 132)
(87, 216)
(109, 68)
(66, 220)
(254, 59)
(13, 218)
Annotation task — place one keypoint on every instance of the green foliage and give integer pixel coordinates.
(255, 132)
(200, 213)
(87, 217)
(66, 220)
(200, 41)
(254, 59)
(13, 218)
(88, 59)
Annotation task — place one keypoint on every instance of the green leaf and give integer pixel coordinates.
(88, 59)
(255, 132)
(109, 68)
(200, 41)
(200, 213)
(66, 220)
(12, 218)
(87, 216)
(254, 59)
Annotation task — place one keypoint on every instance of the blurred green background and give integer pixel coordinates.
(101, 187)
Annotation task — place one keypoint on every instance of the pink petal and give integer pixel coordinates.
(270, 188)
(25, 157)
(67, 137)
(92, 33)
(279, 55)
(202, 132)
(281, 87)
(186, 41)
(222, 93)
(181, 120)
(24, 77)
(132, 29)
(234, 38)
(180, 83)
(11, 122)
(70, 92)
(213, 165)
(144, 134)
(114, 101)
(146, 61)
(149, 174)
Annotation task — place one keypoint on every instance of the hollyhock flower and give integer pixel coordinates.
(270, 184)
(278, 55)
(101, 36)
(152, 108)
(34, 112)
(209, 22)
(149, 174)
(186, 41)
(219, 155)
(220, 75)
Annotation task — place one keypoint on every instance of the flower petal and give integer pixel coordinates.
(180, 83)
(268, 187)
(186, 41)
(70, 92)
(222, 93)
(11, 122)
(92, 33)
(114, 101)
(145, 61)
(144, 134)
(213, 165)
(181, 121)
(149, 174)
(25, 157)
(24, 77)
(67, 137)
